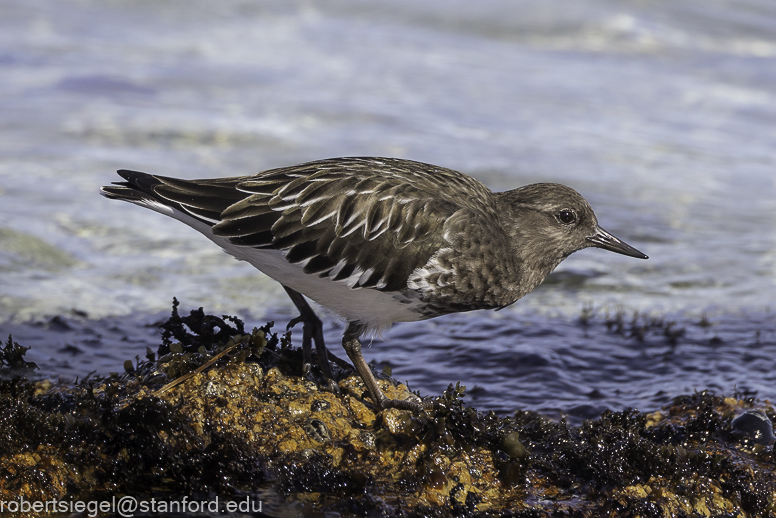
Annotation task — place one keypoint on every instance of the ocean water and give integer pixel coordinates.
(661, 114)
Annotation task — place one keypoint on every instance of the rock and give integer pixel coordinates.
(241, 419)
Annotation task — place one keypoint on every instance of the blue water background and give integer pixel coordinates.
(661, 114)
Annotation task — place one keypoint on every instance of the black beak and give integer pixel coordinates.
(603, 239)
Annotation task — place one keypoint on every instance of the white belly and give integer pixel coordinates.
(376, 309)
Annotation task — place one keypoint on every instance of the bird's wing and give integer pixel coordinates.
(368, 221)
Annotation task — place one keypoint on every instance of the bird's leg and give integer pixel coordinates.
(312, 331)
(352, 345)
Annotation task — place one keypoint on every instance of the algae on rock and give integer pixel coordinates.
(246, 420)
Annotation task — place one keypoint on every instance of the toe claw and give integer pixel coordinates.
(293, 322)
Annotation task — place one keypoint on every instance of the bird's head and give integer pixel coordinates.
(548, 222)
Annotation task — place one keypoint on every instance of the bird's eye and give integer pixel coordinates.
(567, 217)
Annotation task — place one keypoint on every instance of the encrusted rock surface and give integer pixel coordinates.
(251, 423)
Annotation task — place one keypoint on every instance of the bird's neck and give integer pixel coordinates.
(535, 256)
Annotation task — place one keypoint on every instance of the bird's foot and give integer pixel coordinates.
(312, 331)
(416, 405)
(352, 345)
(294, 321)
(327, 384)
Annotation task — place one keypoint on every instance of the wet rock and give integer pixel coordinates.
(754, 425)
(236, 416)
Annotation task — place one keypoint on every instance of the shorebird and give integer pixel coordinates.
(380, 240)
